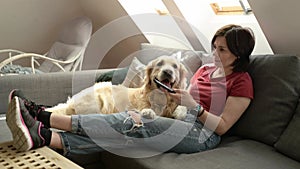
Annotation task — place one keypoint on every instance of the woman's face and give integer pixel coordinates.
(222, 55)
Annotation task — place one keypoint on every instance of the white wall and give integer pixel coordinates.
(107, 50)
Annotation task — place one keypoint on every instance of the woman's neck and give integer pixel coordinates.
(221, 72)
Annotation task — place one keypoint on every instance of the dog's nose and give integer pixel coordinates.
(168, 72)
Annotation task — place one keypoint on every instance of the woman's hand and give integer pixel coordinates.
(183, 97)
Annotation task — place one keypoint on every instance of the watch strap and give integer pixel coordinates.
(200, 113)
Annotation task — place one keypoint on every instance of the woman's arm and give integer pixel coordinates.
(234, 108)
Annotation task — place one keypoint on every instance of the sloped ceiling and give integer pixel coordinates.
(103, 12)
(279, 21)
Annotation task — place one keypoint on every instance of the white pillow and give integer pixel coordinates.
(135, 74)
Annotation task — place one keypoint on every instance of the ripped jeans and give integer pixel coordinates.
(119, 134)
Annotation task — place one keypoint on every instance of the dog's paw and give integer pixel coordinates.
(148, 113)
(180, 112)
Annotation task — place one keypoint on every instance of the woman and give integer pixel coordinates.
(217, 97)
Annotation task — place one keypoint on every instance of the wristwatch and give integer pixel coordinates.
(198, 110)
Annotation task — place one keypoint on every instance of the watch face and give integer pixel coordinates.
(193, 112)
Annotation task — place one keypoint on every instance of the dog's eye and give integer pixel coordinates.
(175, 66)
(160, 63)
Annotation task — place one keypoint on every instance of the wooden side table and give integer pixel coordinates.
(41, 158)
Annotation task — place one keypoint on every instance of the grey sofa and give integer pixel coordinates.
(266, 136)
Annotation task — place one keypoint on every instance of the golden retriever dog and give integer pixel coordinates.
(150, 99)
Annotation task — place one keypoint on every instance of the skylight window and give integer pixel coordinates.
(232, 7)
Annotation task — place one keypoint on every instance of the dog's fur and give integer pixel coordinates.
(149, 99)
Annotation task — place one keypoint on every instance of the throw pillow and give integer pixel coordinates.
(276, 94)
(135, 74)
(288, 142)
(115, 76)
(17, 69)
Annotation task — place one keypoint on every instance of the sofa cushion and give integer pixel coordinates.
(276, 92)
(242, 154)
(47, 88)
(289, 141)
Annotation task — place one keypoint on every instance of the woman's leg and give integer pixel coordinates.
(128, 131)
(169, 135)
(118, 131)
(26, 109)
(29, 133)
(56, 141)
(26, 131)
(61, 122)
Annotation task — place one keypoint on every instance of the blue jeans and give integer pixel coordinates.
(119, 134)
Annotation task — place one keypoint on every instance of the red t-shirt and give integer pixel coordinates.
(212, 93)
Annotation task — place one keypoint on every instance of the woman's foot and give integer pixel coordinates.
(33, 108)
(26, 131)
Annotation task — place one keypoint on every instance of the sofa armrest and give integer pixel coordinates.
(49, 88)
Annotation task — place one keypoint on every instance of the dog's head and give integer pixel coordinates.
(167, 70)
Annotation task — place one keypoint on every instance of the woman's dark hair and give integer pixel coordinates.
(240, 42)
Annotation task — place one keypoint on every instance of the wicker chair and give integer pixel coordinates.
(66, 54)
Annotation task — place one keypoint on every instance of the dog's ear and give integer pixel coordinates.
(183, 76)
(148, 72)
